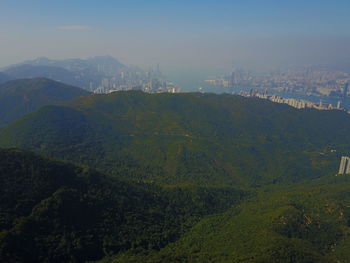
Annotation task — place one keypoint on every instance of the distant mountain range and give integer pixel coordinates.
(105, 65)
(27, 71)
(20, 97)
(87, 74)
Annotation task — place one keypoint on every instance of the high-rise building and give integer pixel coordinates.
(159, 73)
(232, 80)
(339, 104)
(346, 88)
(344, 167)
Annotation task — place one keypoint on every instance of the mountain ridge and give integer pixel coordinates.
(85, 73)
(54, 211)
(186, 138)
(19, 97)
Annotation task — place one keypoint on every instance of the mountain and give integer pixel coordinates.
(85, 73)
(59, 212)
(191, 178)
(53, 211)
(200, 139)
(105, 65)
(300, 223)
(37, 71)
(20, 97)
(4, 78)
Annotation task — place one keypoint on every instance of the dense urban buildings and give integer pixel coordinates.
(310, 80)
(296, 103)
(306, 87)
(151, 81)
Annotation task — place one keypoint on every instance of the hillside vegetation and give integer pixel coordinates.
(59, 212)
(201, 139)
(174, 178)
(20, 97)
(306, 222)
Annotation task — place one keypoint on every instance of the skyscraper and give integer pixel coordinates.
(346, 88)
(339, 104)
(344, 167)
(232, 80)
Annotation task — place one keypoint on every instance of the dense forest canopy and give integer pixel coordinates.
(187, 138)
(174, 178)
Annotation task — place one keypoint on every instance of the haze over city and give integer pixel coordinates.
(193, 35)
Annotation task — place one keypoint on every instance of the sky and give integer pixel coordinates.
(178, 34)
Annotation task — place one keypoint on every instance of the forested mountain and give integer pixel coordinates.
(20, 97)
(189, 178)
(294, 223)
(59, 212)
(187, 138)
(53, 211)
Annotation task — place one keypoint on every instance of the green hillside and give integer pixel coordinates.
(59, 212)
(194, 178)
(53, 211)
(305, 223)
(201, 139)
(20, 97)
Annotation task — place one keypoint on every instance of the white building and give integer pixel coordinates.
(344, 167)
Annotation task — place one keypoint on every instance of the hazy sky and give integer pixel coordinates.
(178, 33)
